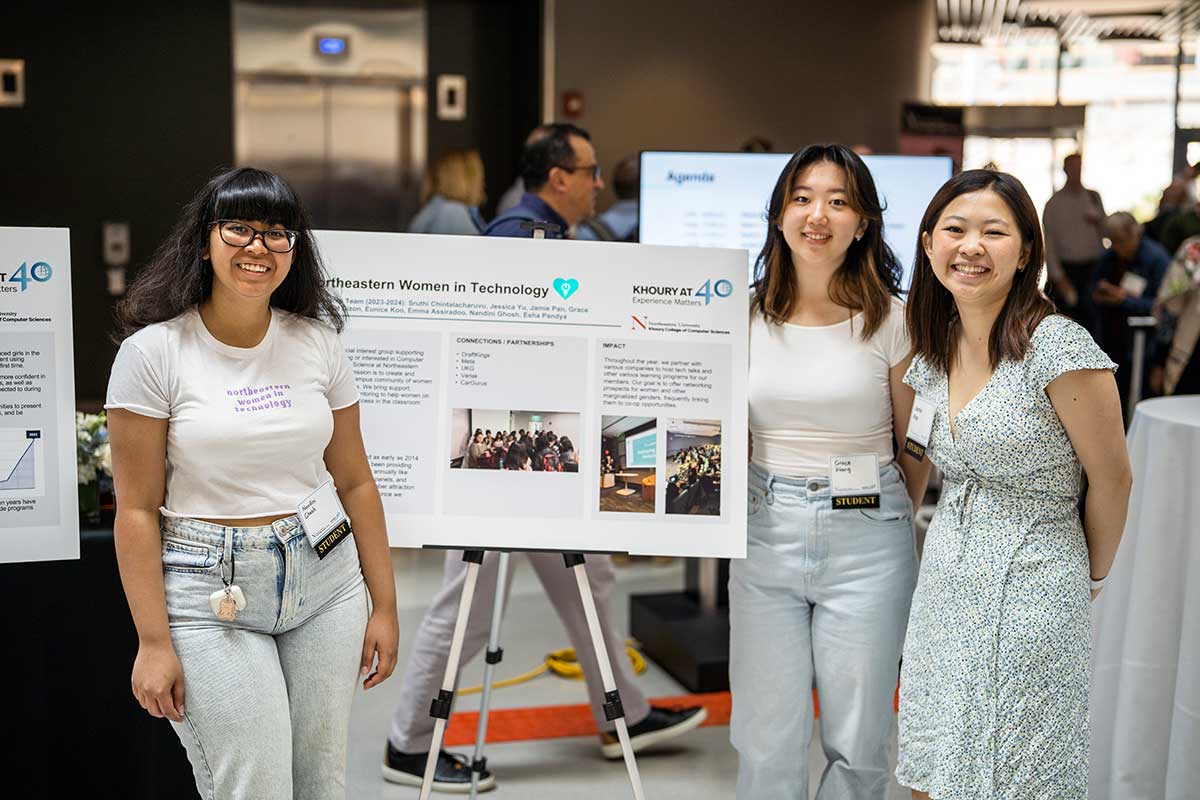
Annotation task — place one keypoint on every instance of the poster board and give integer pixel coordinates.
(39, 502)
(449, 334)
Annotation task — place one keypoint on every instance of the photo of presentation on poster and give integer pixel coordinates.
(606, 374)
(39, 511)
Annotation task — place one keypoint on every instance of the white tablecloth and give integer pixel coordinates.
(1145, 720)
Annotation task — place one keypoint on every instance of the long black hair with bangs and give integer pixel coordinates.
(178, 278)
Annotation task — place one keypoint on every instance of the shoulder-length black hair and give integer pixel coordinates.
(932, 316)
(177, 278)
(869, 276)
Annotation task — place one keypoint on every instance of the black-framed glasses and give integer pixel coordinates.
(239, 234)
(593, 168)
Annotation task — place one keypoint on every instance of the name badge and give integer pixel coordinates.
(854, 481)
(920, 428)
(323, 519)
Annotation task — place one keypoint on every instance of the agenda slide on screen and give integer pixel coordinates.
(549, 394)
(39, 513)
(721, 199)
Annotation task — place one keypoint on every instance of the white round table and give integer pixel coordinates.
(1145, 700)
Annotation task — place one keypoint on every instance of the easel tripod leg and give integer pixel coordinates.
(440, 709)
(494, 655)
(613, 710)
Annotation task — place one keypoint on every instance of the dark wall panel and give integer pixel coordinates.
(128, 110)
(496, 44)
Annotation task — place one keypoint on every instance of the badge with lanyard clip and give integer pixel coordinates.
(228, 601)
(920, 427)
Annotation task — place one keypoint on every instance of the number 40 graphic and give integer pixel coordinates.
(39, 272)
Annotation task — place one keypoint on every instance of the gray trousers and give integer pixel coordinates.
(412, 727)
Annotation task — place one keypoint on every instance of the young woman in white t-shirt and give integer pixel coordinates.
(230, 403)
(822, 597)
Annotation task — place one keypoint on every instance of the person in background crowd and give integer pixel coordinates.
(1073, 220)
(561, 181)
(513, 194)
(620, 222)
(451, 193)
(1126, 283)
(249, 642)
(822, 595)
(1177, 365)
(517, 458)
(476, 451)
(994, 689)
(1183, 225)
(1173, 200)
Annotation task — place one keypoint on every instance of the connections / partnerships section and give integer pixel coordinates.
(516, 408)
(689, 386)
(397, 376)
(28, 490)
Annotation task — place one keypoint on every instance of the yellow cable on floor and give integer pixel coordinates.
(562, 663)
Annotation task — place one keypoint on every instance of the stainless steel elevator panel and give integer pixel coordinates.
(350, 137)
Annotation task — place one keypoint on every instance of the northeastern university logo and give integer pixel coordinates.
(22, 276)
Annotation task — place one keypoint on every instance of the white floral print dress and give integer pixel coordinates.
(994, 685)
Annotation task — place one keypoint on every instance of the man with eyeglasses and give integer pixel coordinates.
(561, 180)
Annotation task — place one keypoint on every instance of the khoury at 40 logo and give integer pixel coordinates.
(22, 276)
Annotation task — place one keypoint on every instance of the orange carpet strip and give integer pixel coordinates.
(556, 722)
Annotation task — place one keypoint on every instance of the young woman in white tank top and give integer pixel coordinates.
(822, 597)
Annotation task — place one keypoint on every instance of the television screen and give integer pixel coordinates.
(640, 449)
(720, 199)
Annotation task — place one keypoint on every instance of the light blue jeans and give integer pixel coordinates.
(267, 696)
(822, 600)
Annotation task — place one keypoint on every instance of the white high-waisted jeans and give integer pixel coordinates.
(268, 695)
(821, 599)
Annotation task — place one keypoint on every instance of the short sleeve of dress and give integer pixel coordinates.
(342, 391)
(137, 383)
(918, 376)
(1060, 345)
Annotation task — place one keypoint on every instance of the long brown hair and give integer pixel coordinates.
(870, 275)
(933, 323)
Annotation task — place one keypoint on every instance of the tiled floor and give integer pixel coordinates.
(699, 766)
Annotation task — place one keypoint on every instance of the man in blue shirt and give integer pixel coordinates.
(561, 181)
(1126, 282)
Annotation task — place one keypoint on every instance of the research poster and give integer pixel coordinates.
(551, 395)
(39, 512)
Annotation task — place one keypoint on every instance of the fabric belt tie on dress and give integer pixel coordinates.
(963, 501)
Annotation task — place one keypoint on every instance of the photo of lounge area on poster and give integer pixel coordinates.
(693, 467)
(515, 441)
(628, 454)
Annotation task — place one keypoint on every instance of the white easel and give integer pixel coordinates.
(441, 706)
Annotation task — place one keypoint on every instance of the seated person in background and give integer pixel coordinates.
(1127, 280)
(620, 222)
(547, 454)
(1176, 368)
(451, 193)
(517, 458)
(567, 456)
(1174, 198)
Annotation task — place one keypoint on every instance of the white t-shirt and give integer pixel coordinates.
(817, 392)
(248, 426)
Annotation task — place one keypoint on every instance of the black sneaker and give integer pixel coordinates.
(452, 775)
(661, 724)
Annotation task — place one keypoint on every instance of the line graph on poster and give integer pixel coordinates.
(21, 460)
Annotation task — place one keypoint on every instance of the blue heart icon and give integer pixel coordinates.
(566, 287)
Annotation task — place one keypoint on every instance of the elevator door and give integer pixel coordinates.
(351, 147)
